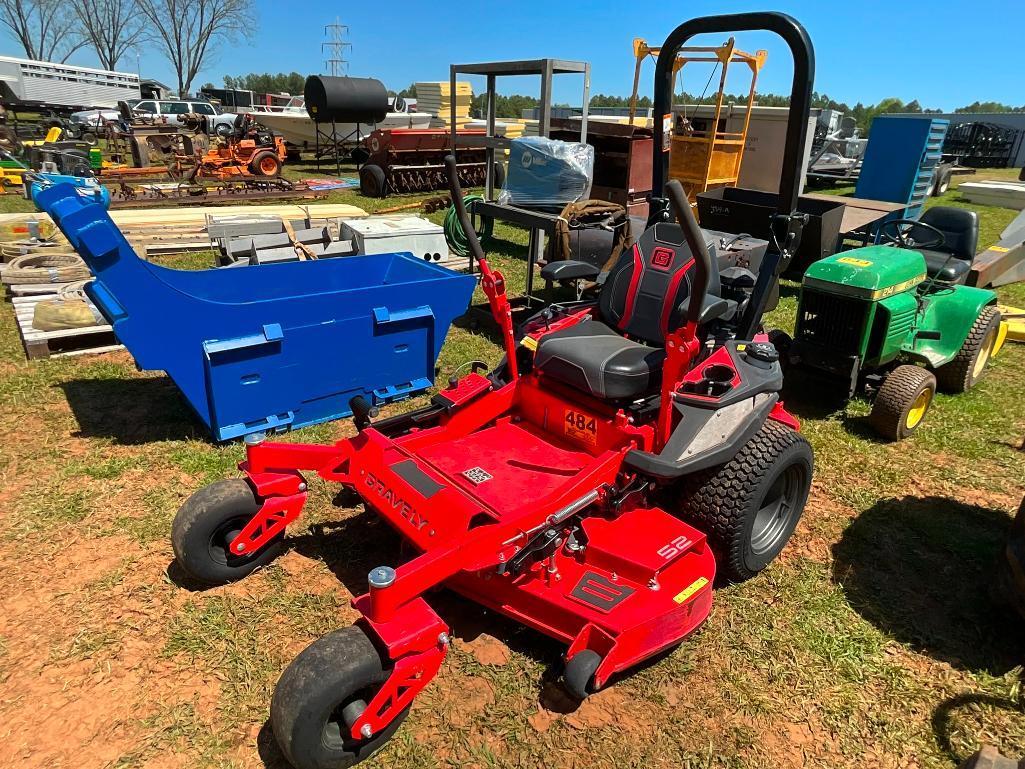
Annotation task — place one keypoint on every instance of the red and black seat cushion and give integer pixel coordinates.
(644, 298)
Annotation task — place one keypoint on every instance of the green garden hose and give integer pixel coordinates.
(454, 234)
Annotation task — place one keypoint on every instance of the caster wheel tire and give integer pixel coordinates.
(319, 697)
(968, 366)
(902, 402)
(578, 677)
(205, 526)
(751, 505)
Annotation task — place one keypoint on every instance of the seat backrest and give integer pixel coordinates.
(645, 293)
(960, 228)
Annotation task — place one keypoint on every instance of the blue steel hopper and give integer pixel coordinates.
(273, 347)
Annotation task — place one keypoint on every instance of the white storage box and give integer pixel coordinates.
(396, 234)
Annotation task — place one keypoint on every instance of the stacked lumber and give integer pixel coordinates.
(436, 100)
(171, 230)
(506, 129)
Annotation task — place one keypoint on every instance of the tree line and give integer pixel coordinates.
(863, 114)
(186, 32)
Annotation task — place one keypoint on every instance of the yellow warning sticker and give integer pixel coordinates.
(530, 343)
(855, 262)
(689, 591)
(581, 427)
(999, 249)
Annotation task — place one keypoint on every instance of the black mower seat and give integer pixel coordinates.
(945, 267)
(597, 360)
(953, 260)
(645, 295)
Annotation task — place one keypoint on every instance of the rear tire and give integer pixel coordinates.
(751, 505)
(265, 164)
(320, 695)
(942, 184)
(372, 182)
(967, 367)
(902, 402)
(205, 526)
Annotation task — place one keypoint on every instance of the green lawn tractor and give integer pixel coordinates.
(889, 324)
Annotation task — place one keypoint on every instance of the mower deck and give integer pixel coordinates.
(482, 494)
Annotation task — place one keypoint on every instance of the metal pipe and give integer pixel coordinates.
(800, 45)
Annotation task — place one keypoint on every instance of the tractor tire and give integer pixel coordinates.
(942, 184)
(327, 686)
(751, 505)
(372, 182)
(783, 343)
(206, 524)
(967, 367)
(265, 164)
(902, 402)
(499, 175)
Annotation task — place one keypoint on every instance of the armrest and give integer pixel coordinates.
(567, 269)
(712, 308)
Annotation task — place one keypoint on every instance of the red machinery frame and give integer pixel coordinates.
(480, 534)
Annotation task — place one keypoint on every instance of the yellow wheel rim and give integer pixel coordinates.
(984, 353)
(918, 408)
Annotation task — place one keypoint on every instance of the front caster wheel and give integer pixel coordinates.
(319, 697)
(902, 402)
(578, 677)
(205, 527)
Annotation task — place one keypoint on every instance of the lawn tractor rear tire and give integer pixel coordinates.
(320, 695)
(964, 371)
(205, 526)
(902, 402)
(372, 182)
(751, 505)
(265, 164)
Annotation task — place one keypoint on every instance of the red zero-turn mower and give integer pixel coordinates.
(590, 487)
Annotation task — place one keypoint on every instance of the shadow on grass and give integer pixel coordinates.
(132, 411)
(924, 570)
(944, 718)
(268, 749)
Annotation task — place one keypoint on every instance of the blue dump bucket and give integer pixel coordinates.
(273, 347)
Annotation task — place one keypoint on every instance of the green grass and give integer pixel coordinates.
(874, 640)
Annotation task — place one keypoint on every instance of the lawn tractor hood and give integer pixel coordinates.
(871, 273)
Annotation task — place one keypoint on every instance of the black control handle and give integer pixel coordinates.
(702, 259)
(452, 171)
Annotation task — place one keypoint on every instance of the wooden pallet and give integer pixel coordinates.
(66, 342)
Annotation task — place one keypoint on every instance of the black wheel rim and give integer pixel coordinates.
(219, 546)
(777, 511)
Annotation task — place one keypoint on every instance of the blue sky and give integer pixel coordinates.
(945, 53)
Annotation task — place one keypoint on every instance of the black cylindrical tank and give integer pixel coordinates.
(345, 99)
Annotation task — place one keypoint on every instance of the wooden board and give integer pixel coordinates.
(859, 213)
(65, 342)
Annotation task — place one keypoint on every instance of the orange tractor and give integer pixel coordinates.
(248, 151)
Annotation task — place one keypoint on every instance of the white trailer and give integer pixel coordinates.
(62, 87)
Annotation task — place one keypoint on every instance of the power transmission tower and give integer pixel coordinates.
(336, 44)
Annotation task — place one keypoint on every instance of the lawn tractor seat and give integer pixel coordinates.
(960, 228)
(644, 297)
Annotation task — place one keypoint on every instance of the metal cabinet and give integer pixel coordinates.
(900, 160)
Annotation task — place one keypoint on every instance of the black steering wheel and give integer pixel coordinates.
(902, 233)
